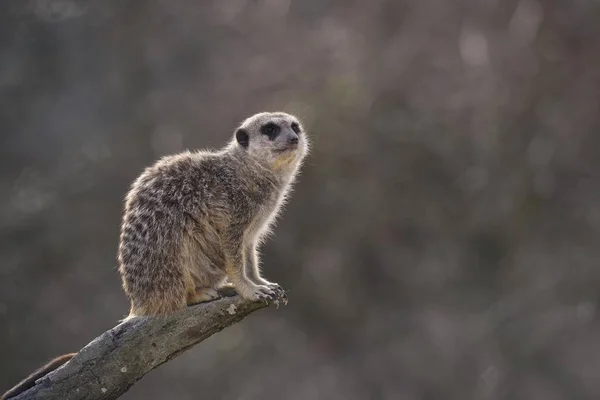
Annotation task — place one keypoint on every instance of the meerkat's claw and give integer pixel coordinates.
(266, 299)
(280, 295)
(277, 289)
(265, 293)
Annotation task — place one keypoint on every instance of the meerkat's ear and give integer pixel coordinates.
(242, 137)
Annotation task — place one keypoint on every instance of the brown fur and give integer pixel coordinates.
(193, 221)
(29, 382)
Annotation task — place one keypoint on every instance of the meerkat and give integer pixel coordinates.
(193, 221)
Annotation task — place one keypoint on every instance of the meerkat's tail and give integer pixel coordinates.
(29, 382)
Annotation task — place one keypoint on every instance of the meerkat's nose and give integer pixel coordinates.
(293, 140)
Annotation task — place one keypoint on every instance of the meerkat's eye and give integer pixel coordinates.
(271, 130)
(295, 127)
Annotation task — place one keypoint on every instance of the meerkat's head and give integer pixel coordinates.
(275, 138)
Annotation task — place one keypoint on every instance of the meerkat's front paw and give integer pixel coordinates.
(270, 292)
(276, 288)
(259, 292)
(264, 292)
(273, 286)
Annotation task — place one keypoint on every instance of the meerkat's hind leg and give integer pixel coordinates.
(202, 295)
(226, 289)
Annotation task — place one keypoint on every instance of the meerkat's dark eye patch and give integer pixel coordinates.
(242, 137)
(271, 130)
(295, 127)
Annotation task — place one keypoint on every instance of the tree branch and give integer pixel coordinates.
(114, 361)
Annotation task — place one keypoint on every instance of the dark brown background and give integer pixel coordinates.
(442, 242)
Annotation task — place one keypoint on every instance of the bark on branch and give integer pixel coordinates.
(114, 361)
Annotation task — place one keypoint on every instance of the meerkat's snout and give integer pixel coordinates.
(288, 142)
(292, 141)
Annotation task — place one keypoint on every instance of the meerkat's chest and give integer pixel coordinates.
(265, 214)
(269, 207)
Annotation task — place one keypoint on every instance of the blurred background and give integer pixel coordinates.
(442, 241)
